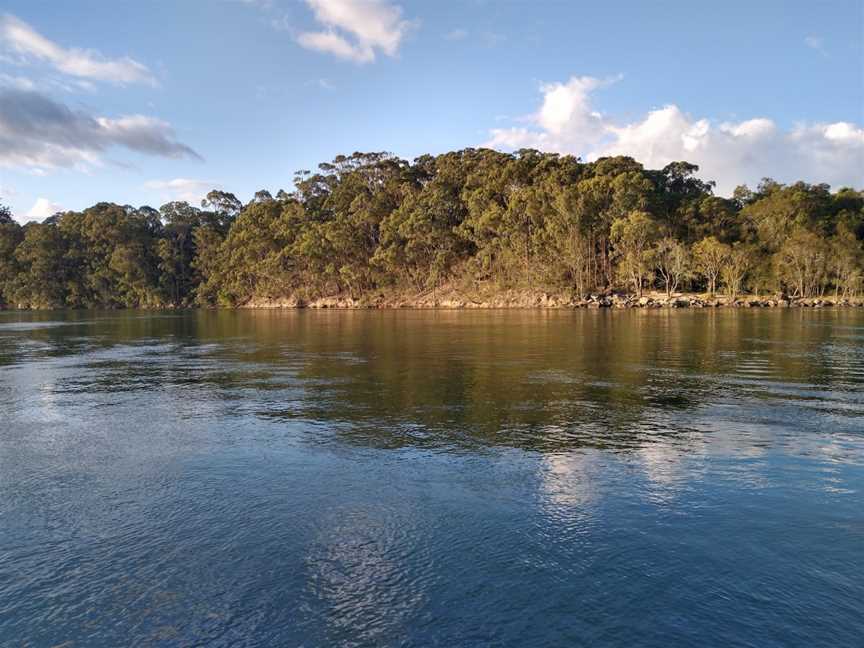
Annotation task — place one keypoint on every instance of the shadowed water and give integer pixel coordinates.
(412, 478)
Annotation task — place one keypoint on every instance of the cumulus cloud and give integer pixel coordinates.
(21, 39)
(731, 153)
(42, 209)
(564, 122)
(38, 132)
(355, 30)
(192, 191)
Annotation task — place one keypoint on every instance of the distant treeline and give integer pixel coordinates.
(373, 222)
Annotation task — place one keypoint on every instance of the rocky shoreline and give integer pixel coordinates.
(525, 299)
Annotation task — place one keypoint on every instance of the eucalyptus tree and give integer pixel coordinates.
(367, 222)
(673, 263)
(739, 262)
(709, 256)
(633, 238)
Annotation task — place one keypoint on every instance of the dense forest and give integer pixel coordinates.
(371, 222)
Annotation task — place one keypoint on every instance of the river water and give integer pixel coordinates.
(432, 478)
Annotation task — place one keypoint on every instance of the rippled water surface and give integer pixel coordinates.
(432, 478)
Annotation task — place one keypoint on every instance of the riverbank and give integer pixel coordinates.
(454, 299)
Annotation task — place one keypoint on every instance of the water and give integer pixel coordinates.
(432, 478)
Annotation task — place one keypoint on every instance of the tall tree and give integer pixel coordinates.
(633, 237)
(11, 235)
(672, 260)
(710, 255)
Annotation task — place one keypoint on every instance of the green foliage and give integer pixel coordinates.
(847, 261)
(44, 276)
(802, 263)
(370, 221)
(673, 263)
(633, 237)
(710, 255)
(740, 260)
(11, 235)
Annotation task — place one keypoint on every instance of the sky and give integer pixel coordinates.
(146, 102)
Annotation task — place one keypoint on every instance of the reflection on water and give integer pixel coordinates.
(413, 478)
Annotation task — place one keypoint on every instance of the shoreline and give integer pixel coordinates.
(544, 300)
(508, 300)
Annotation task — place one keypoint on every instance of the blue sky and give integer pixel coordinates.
(141, 103)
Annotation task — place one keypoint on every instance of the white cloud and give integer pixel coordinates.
(731, 153)
(17, 82)
(843, 132)
(356, 30)
(37, 132)
(816, 43)
(45, 84)
(18, 37)
(192, 191)
(565, 119)
(42, 209)
(333, 43)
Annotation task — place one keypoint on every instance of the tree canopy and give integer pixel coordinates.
(371, 222)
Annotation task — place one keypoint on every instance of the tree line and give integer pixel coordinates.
(371, 222)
